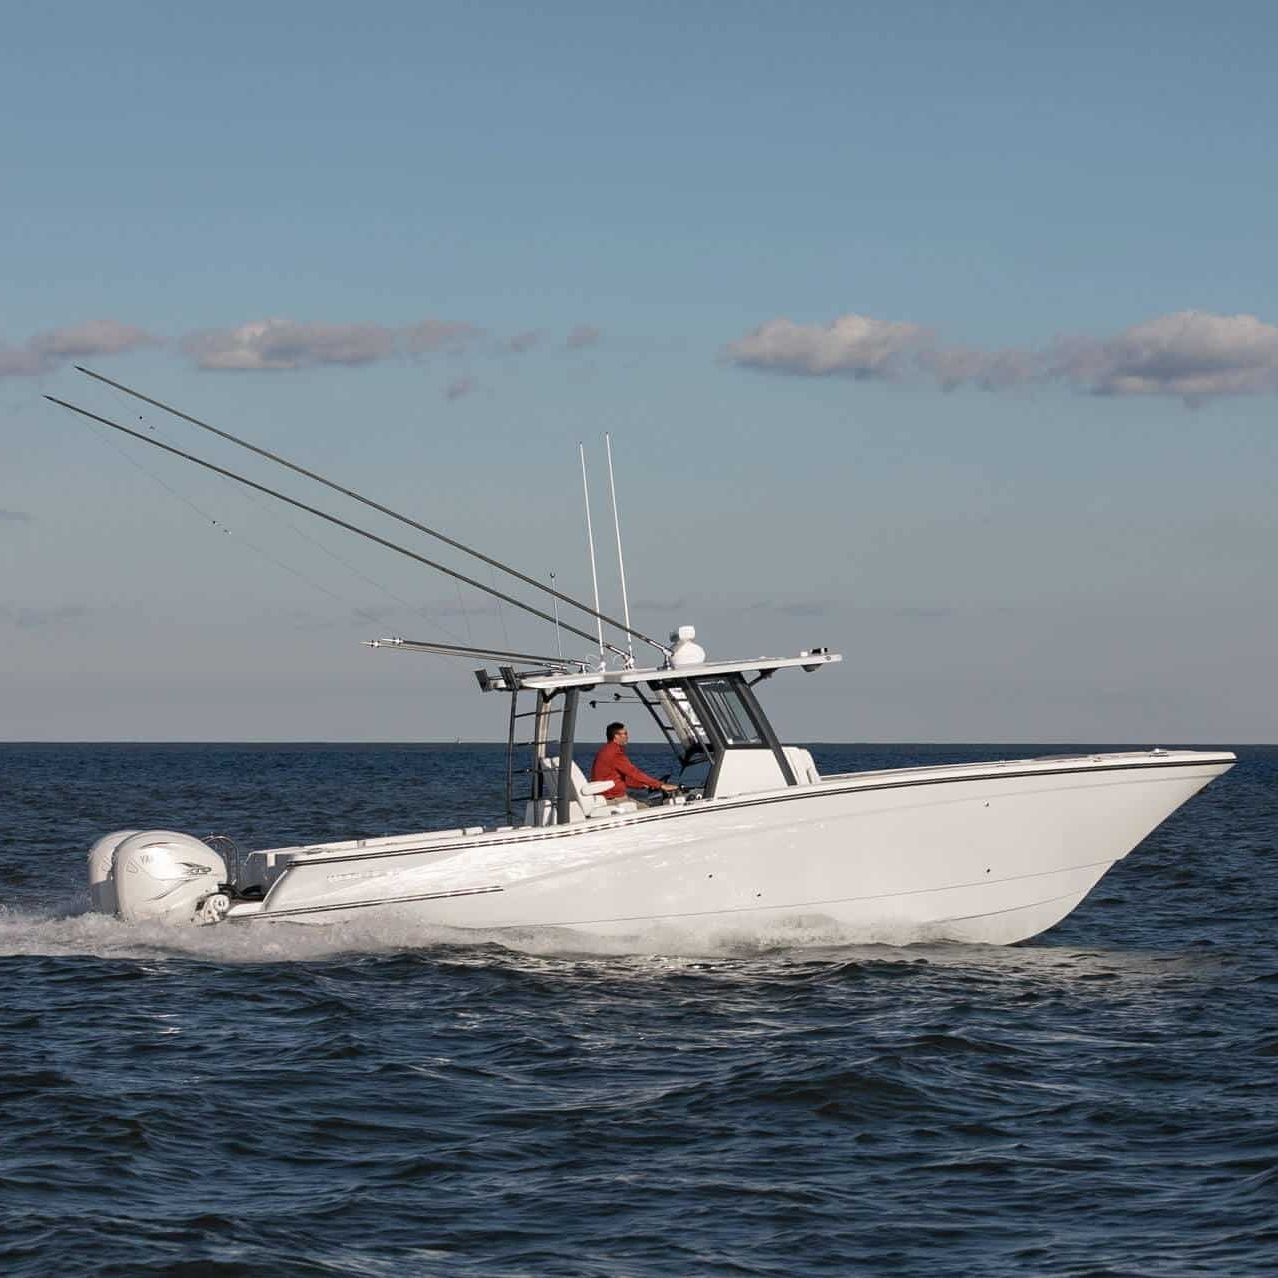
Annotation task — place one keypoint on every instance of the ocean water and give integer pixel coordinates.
(1102, 1100)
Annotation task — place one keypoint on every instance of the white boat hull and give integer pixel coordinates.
(984, 853)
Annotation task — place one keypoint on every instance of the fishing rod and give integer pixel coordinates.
(332, 519)
(625, 627)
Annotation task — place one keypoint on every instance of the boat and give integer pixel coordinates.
(753, 839)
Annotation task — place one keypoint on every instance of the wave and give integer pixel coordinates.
(70, 930)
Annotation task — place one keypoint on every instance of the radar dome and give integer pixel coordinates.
(686, 651)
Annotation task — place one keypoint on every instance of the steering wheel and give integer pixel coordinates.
(668, 795)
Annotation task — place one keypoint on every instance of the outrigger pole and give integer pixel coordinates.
(333, 519)
(465, 650)
(385, 510)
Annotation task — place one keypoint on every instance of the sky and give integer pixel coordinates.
(942, 335)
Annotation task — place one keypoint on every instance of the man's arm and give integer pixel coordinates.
(638, 778)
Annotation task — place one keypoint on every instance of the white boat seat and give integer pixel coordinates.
(802, 765)
(587, 799)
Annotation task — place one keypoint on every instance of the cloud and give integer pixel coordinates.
(582, 335)
(46, 352)
(23, 362)
(853, 344)
(284, 344)
(1194, 355)
(97, 337)
(277, 344)
(436, 335)
(955, 366)
(458, 387)
(14, 517)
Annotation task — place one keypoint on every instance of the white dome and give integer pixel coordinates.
(686, 652)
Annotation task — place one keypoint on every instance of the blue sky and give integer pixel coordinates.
(945, 335)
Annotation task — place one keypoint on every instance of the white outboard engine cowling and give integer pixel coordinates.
(102, 870)
(170, 877)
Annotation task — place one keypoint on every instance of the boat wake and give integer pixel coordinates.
(99, 936)
(77, 931)
(812, 940)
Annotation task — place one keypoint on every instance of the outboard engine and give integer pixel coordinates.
(159, 874)
(102, 870)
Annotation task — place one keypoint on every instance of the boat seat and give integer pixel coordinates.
(802, 765)
(587, 799)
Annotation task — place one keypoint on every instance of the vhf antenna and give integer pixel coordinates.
(621, 563)
(559, 641)
(590, 538)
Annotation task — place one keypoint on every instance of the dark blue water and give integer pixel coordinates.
(1100, 1101)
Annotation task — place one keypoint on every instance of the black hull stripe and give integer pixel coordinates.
(734, 805)
(266, 913)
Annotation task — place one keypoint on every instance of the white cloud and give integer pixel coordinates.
(858, 345)
(275, 344)
(435, 335)
(22, 361)
(283, 344)
(46, 352)
(1193, 354)
(96, 337)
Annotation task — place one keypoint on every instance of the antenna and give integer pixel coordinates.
(621, 563)
(590, 538)
(559, 641)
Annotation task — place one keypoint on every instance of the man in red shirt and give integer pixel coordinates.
(612, 765)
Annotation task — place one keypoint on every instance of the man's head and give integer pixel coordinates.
(618, 732)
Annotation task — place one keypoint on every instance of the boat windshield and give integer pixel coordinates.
(724, 702)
